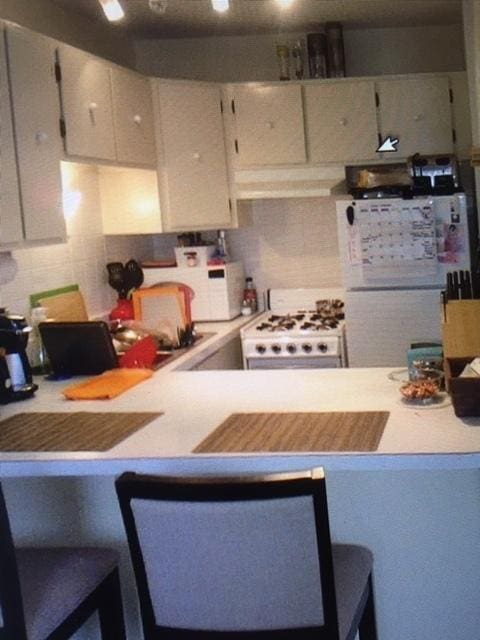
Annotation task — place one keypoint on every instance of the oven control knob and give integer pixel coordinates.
(323, 347)
(307, 347)
(260, 348)
(276, 348)
(291, 348)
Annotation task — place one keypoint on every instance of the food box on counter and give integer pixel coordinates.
(201, 255)
(465, 392)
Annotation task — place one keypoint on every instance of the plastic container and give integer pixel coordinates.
(35, 350)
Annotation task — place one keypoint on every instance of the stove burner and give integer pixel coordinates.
(263, 326)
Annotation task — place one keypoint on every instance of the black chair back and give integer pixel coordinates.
(237, 531)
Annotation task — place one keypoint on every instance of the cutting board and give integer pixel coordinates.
(161, 309)
(65, 304)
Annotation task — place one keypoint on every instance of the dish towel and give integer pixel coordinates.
(108, 385)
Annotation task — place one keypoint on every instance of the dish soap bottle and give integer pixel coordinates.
(250, 295)
(35, 349)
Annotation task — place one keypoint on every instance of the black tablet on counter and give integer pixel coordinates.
(78, 348)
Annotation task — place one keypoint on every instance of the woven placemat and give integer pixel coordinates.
(258, 432)
(79, 431)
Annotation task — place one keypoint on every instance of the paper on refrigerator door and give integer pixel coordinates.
(397, 239)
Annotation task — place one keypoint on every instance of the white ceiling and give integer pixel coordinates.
(196, 18)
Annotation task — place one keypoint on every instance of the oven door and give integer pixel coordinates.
(322, 362)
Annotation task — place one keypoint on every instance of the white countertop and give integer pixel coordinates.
(194, 403)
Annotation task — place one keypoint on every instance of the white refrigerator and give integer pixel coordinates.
(395, 255)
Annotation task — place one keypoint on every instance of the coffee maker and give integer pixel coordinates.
(15, 373)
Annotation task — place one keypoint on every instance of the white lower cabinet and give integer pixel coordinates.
(38, 147)
(192, 167)
(227, 357)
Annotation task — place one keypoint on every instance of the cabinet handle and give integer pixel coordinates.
(270, 125)
(343, 122)
(41, 136)
(137, 119)
(197, 156)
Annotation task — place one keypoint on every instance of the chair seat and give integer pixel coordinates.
(352, 565)
(49, 594)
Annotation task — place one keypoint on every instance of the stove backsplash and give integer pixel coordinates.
(291, 243)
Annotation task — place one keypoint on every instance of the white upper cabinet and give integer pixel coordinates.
(132, 117)
(87, 105)
(341, 121)
(11, 228)
(191, 156)
(417, 111)
(36, 117)
(269, 124)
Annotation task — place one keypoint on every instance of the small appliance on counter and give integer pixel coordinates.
(15, 373)
(218, 289)
(418, 176)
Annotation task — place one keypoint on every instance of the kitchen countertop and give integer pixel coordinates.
(196, 402)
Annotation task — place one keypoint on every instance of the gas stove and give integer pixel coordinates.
(307, 336)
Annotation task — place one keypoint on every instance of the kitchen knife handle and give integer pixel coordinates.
(468, 285)
(449, 292)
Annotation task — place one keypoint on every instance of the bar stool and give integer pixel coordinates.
(48, 593)
(243, 557)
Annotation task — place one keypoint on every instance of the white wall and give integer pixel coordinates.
(43, 16)
(291, 243)
(243, 58)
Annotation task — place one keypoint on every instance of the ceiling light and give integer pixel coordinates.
(112, 9)
(220, 5)
(285, 4)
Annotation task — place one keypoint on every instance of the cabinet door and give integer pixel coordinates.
(269, 124)
(341, 121)
(11, 229)
(133, 117)
(31, 60)
(192, 165)
(87, 105)
(417, 112)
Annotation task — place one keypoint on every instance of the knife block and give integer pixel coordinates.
(461, 329)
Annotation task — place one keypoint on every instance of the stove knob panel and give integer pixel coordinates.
(260, 348)
(323, 347)
(291, 348)
(307, 347)
(276, 348)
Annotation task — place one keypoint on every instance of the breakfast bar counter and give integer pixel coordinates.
(192, 404)
(414, 498)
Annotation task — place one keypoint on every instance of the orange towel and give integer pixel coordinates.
(108, 385)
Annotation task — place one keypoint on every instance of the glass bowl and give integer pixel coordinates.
(423, 387)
